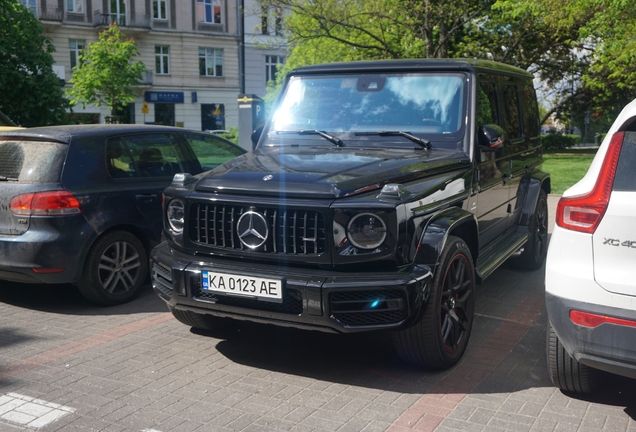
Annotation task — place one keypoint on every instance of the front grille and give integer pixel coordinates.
(162, 279)
(294, 232)
(292, 301)
(364, 308)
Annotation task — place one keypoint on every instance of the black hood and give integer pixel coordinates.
(326, 172)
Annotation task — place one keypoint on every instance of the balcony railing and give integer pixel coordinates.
(128, 20)
(50, 13)
(147, 77)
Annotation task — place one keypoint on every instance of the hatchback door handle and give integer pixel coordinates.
(146, 197)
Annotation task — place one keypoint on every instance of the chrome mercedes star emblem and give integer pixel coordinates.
(252, 229)
(268, 177)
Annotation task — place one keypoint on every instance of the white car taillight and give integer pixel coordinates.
(584, 212)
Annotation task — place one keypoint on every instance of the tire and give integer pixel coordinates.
(440, 338)
(534, 252)
(566, 372)
(199, 321)
(115, 269)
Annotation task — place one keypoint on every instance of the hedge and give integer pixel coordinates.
(559, 141)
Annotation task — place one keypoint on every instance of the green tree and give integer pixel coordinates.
(106, 73)
(30, 92)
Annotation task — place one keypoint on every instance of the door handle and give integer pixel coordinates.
(146, 197)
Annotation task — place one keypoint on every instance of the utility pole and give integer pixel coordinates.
(242, 46)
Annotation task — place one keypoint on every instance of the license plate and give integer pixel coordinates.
(247, 286)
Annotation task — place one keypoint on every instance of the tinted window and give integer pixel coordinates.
(530, 109)
(511, 108)
(144, 155)
(211, 151)
(486, 104)
(625, 179)
(32, 161)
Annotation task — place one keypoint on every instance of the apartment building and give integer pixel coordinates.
(265, 44)
(190, 49)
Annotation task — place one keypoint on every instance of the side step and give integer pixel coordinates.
(493, 255)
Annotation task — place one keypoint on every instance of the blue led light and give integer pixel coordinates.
(375, 303)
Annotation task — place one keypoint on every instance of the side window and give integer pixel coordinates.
(511, 108)
(487, 104)
(530, 110)
(210, 150)
(155, 154)
(118, 160)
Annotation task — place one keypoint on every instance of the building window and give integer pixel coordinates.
(75, 6)
(271, 20)
(162, 60)
(159, 9)
(210, 62)
(76, 47)
(31, 5)
(271, 66)
(210, 11)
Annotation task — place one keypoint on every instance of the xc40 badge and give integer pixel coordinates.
(617, 242)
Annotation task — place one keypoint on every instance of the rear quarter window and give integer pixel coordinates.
(32, 161)
(625, 179)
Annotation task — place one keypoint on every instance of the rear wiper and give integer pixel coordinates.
(421, 141)
(3, 178)
(337, 141)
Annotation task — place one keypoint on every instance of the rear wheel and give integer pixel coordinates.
(534, 251)
(440, 338)
(199, 321)
(115, 269)
(566, 372)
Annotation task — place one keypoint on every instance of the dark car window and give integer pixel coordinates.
(144, 155)
(486, 104)
(32, 161)
(625, 179)
(511, 108)
(211, 151)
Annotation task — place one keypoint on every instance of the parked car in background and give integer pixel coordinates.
(6, 123)
(82, 204)
(379, 195)
(590, 284)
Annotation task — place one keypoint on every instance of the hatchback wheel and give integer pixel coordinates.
(115, 269)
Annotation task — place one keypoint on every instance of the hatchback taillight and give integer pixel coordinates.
(584, 212)
(52, 203)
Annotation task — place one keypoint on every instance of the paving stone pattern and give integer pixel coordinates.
(135, 368)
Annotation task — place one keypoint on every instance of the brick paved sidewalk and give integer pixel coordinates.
(134, 368)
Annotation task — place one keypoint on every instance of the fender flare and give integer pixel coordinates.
(439, 226)
(528, 193)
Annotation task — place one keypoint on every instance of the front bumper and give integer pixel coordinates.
(330, 301)
(607, 347)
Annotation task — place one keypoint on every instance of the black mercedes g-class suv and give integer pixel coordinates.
(378, 194)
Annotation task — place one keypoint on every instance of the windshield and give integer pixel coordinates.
(429, 105)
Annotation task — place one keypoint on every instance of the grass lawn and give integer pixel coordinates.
(566, 168)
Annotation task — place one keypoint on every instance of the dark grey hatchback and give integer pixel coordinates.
(82, 204)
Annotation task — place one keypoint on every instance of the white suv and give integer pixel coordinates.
(591, 267)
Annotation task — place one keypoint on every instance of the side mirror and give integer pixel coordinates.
(490, 137)
(256, 135)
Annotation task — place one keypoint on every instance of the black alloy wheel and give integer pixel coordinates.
(440, 338)
(534, 251)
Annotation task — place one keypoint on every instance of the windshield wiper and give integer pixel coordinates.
(421, 141)
(3, 178)
(337, 141)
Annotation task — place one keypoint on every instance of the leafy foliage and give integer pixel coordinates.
(30, 91)
(553, 141)
(106, 74)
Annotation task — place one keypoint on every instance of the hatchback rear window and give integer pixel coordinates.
(31, 161)
(625, 179)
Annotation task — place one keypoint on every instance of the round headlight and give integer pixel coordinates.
(176, 216)
(366, 231)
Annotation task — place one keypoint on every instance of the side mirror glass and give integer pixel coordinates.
(491, 137)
